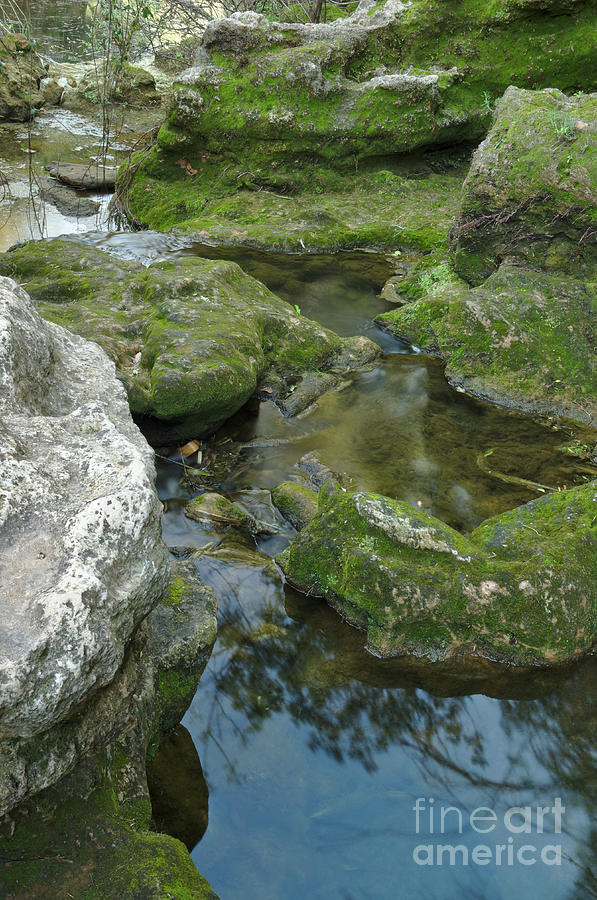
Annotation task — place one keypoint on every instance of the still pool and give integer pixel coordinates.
(327, 768)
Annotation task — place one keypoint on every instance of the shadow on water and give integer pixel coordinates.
(316, 752)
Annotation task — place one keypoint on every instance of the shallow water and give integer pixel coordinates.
(315, 752)
(56, 135)
(60, 28)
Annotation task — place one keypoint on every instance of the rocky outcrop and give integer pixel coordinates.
(192, 339)
(274, 110)
(78, 502)
(97, 659)
(523, 339)
(525, 336)
(530, 196)
(21, 71)
(519, 588)
(98, 815)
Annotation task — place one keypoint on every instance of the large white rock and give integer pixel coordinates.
(81, 556)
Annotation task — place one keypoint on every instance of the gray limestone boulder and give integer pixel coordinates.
(82, 561)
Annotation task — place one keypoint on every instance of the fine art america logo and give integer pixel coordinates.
(518, 822)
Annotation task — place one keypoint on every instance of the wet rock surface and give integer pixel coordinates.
(518, 589)
(192, 339)
(91, 177)
(66, 200)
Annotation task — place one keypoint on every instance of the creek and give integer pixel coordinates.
(315, 752)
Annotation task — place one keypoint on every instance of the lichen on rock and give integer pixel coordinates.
(518, 589)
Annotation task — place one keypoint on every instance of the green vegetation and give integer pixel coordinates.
(518, 588)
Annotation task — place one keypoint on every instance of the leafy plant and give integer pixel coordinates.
(435, 279)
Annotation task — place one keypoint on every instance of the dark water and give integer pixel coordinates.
(314, 751)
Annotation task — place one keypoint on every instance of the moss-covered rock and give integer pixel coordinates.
(296, 502)
(524, 339)
(210, 507)
(321, 211)
(285, 111)
(531, 192)
(129, 86)
(520, 588)
(191, 339)
(182, 632)
(88, 835)
(21, 71)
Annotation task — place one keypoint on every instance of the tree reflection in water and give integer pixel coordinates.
(283, 654)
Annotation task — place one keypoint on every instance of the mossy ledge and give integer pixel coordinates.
(273, 116)
(192, 339)
(519, 589)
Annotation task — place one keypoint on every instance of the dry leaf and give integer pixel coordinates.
(190, 448)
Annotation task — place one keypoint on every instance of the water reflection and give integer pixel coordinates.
(315, 753)
(60, 27)
(399, 429)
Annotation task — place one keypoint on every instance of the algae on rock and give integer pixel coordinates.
(191, 339)
(518, 589)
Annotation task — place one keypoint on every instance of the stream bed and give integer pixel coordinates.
(327, 767)
(314, 751)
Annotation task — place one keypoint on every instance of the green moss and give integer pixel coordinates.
(524, 339)
(530, 191)
(295, 119)
(296, 502)
(191, 339)
(519, 588)
(84, 838)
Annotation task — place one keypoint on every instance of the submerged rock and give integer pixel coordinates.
(214, 508)
(272, 115)
(192, 339)
(90, 177)
(21, 71)
(66, 200)
(530, 196)
(518, 589)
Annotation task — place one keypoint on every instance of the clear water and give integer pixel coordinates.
(314, 751)
(60, 28)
